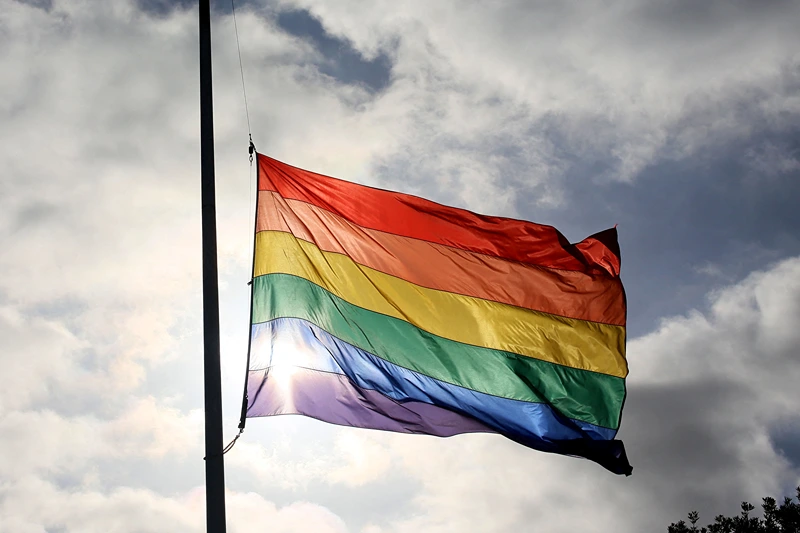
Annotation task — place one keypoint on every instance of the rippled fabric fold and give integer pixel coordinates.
(579, 394)
(298, 368)
(566, 341)
(597, 298)
(383, 310)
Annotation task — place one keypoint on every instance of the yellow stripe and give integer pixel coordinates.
(565, 341)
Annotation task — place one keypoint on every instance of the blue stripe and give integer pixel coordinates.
(296, 342)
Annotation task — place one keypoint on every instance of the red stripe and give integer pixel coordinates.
(417, 218)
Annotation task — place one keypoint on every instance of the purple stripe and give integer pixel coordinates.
(334, 398)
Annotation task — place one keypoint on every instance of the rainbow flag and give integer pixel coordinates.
(383, 310)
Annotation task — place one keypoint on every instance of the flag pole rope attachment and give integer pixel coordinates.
(227, 448)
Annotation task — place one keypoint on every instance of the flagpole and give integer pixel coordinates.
(215, 467)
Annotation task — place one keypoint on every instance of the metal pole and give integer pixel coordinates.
(215, 467)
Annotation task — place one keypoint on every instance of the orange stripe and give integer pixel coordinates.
(566, 293)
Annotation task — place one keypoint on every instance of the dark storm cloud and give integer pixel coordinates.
(685, 215)
(678, 435)
(47, 5)
(682, 420)
(341, 61)
(687, 224)
(682, 17)
(162, 8)
(785, 437)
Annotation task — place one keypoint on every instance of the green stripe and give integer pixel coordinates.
(578, 394)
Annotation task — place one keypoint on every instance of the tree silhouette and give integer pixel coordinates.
(777, 519)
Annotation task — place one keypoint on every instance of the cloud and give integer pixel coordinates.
(710, 395)
(99, 296)
(341, 61)
(366, 461)
(35, 506)
(492, 109)
(623, 81)
(772, 159)
(46, 442)
(271, 468)
(39, 354)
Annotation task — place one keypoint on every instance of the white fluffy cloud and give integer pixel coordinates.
(35, 506)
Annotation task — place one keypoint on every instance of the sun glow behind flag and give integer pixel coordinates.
(382, 310)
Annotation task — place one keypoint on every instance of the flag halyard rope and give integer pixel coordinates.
(241, 71)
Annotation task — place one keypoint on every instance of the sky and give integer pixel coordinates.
(677, 120)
